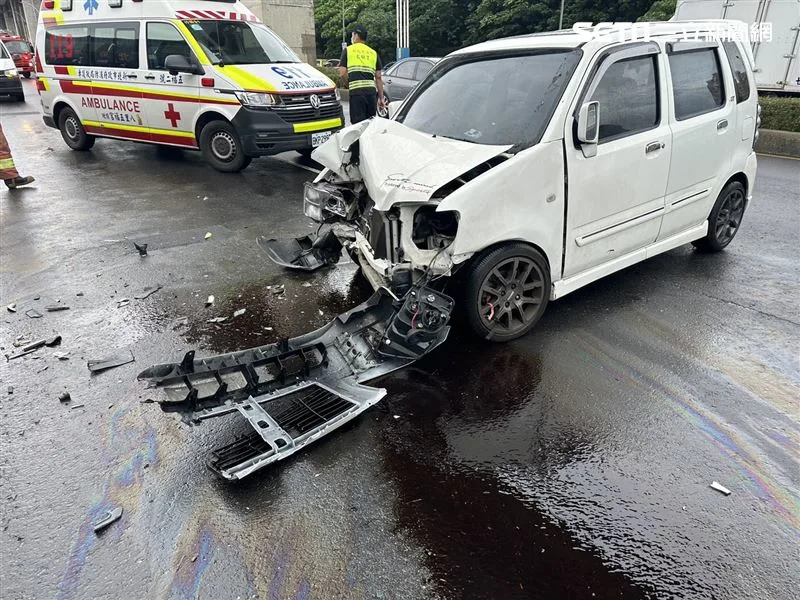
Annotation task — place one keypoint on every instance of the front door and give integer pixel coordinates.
(616, 197)
(171, 101)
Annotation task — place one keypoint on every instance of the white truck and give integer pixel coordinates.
(777, 66)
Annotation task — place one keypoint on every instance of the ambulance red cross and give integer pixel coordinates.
(199, 74)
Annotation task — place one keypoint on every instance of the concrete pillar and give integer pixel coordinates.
(403, 30)
(293, 21)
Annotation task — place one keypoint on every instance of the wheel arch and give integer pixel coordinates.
(206, 118)
(741, 178)
(58, 107)
(491, 247)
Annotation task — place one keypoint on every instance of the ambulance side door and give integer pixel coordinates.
(115, 72)
(170, 100)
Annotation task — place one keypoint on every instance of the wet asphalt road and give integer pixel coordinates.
(573, 463)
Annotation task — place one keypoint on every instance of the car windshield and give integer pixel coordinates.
(18, 47)
(240, 43)
(503, 100)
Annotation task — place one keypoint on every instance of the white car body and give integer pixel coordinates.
(589, 209)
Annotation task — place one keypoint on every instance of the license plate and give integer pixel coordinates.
(320, 138)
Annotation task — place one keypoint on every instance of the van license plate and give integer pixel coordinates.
(320, 138)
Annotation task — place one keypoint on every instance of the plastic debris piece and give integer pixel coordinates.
(33, 346)
(79, 294)
(43, 369)
(208, 235)
(279, 289)
(210, 301)
(12, 307)
(396, 416)
(306, 284)
(179, 322)
(61, 355)
(239, 312)
(320, 312)
(11, 389)
(56, 307)
(122, 357)
(194, 558)
(37, 297)
(217, 320)
(720, 488)
(148, 292)
(32, 313)
(65, 397)
(123, 302)
(110, 517)
(56, 341)
(142, 248)
(74, 406)
(268, 328)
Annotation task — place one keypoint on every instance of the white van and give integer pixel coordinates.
(199, 74)
(534, 165)
(10, 83)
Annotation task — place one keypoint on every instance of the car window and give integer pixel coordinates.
(162, 41)
(739, 71)
(3, 51)
(628, 97)
(423, 69)
(506, 100)
(67, 46)
(405, 69)
(18, 47)
(696, 82)
(115, 46)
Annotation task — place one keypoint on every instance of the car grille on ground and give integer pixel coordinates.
(301, 411)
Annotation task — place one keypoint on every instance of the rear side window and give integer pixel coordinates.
(696, 82)
(628, 97)
(162, 40)
(115, 46)
(422, 70)
(739, 71)
(67, 46)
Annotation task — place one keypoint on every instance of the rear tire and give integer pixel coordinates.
(507, 290)
(725, 218)
(73, 132)
(222, 148)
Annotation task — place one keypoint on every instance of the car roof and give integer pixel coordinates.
(569, 38)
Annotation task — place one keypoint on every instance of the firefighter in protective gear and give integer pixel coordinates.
(8, 172)
(360, 66)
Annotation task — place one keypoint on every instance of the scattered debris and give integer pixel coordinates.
(37, 297)
(12, 307)
(205, 198)
(208, 235)
(56, 307)
(217, 320)
(123, 302)
(11, 389)
(142, 248)
(65, 397)
(320, 312)
(396, 416)
(720, 488)
(147, 401)
(194, 558)
(268, 328)
(32, 313)
(306, 284)
(79, 294)
(110, 517)
(278, 289)
(122, 357)
(74, 406)
(148, 292)
(33, 346)
(43, 369)
(179, 322)
(210, 301)
(61, 355)
(239, 312)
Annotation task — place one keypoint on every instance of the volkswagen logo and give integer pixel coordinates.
(315, 101)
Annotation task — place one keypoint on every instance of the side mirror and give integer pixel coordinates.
(589, 123)
(393, 108)
(178, 63)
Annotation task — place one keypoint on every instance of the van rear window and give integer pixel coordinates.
(67, 46)
(114, 45)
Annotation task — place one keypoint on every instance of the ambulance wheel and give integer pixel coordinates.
(20, 97)
(221, 147)
(73, 132)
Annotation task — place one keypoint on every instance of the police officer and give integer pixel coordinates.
(360, 67)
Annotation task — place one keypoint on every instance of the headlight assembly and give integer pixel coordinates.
(257, 99)
(11, 73)
(325, 202)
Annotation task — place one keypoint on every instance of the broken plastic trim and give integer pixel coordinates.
(298, 390)
(304, 253)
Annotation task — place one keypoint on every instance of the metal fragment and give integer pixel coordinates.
(715, 485)
(122, 357)
(148, 292)
(110, 517)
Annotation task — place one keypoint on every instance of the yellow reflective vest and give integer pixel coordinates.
(361, 64)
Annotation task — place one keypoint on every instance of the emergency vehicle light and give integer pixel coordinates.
(114, 3)
(66, 4)
(49, 4)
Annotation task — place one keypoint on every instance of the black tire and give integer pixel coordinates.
(26, 74)
(306, 152)
(20, 97)
(725, 218)
(222, 148)
(383, 110)
(507, 290)
(73, 132)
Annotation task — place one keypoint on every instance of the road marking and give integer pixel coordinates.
(296, 164)
(778, 156)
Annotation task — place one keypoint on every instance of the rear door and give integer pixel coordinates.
(401, 81)
(171, 101)
(616, 197)
(705, 132)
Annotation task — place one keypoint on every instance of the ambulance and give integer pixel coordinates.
(204, 75)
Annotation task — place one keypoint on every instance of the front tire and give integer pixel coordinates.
(507, 291)
(20, 97)
(73, 132)
(222, 148)
(725, 219)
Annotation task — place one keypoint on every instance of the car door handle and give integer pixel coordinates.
(149, 76)
(653, 147)
(722, 124)
(388, 81)
(131, 75)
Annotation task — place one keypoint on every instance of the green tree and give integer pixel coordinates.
(661, 10)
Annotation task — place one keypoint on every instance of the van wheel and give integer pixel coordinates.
(221, 147)
(20, 97)
(724, 220)
(73, 132)
(507, 291)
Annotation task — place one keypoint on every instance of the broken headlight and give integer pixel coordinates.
(325, 202)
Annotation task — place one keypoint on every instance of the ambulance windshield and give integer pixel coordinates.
(240, 43)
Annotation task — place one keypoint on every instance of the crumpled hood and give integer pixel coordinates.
(400, 164)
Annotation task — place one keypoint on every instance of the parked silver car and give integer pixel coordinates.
(401, 77)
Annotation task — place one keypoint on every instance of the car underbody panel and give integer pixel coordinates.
(298, 390)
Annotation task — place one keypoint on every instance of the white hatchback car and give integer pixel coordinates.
(537, 164)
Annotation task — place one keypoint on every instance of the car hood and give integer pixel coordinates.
(400, 164)
(276, 78)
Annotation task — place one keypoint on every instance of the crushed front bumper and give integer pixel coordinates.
(296, 391)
